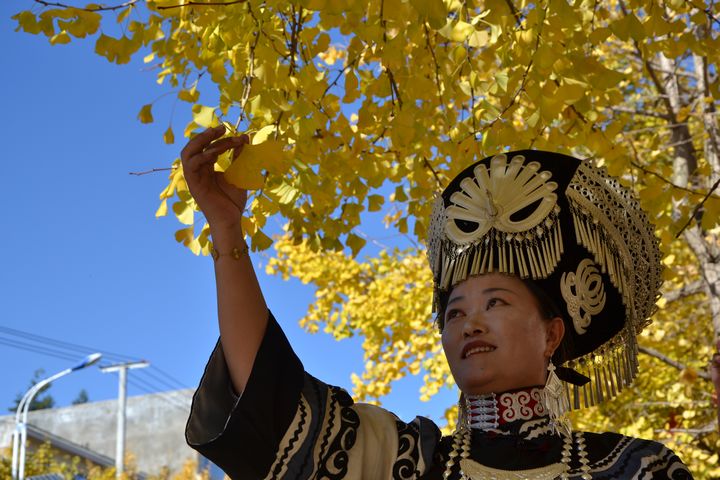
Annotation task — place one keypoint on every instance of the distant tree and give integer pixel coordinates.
(44, 460)
(41, 400)
(82, 397)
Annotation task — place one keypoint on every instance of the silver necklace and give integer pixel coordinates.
(483, 414)
(472, 470)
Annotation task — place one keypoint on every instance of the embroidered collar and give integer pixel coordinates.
(490, 411)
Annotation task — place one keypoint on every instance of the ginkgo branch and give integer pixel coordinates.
(88, 9)
(634, 111)
(154, 170)
(435, 63)
(435, 174)
(515, 12)
(296, 27)
(669, 361)
(192, 3)
(395, 91)
(684, 291)
(707, 12)
(709, 428)
(247, 87)
(339, 76)
(644, 169)
(698, 207)
(524, 78)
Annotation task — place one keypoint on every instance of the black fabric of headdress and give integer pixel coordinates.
(611, 319)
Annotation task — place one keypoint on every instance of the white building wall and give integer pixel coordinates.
(154, 429)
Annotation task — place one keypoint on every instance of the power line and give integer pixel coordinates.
(170, 377)
(164, 396)
(37, 349)
(162, 381)
(62, 344)
(157, 373)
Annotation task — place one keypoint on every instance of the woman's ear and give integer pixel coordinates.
(554, 334)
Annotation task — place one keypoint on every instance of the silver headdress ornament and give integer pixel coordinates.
(575, 232)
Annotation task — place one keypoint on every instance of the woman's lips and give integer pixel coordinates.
(475, 347)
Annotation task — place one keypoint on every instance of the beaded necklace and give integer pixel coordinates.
(487, 412)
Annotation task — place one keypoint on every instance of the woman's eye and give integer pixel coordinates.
(494, 302)
(452, 314)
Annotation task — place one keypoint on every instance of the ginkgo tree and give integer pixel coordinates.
(372, 106)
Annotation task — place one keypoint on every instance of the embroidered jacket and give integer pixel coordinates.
(289, 425)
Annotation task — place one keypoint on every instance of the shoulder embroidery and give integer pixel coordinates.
(334, 462)
(283, 458)
(406, 465)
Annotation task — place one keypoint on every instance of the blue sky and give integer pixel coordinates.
(83, 258)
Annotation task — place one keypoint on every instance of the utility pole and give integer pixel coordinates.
(122, 369)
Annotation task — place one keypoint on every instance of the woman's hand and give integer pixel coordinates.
(222, 203)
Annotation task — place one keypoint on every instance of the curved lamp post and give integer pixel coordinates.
(20, 433)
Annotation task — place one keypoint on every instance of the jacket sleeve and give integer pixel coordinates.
(289, 425)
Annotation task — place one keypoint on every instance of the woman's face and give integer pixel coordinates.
(494, 336)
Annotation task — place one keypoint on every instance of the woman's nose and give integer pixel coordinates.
(474, 325)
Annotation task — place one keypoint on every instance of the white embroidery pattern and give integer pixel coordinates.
(588, 297)
(491, 198)
(522, 405)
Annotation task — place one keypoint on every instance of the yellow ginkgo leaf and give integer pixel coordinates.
(246, 171)
(204, 116)
(162, 209)
(145, 114)
(169, 136)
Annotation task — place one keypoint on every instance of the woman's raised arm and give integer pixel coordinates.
(242, 311)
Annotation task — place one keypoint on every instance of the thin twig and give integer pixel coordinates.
(675, 185)
(435, 174)
(154, 170)
(200, 4)
(698, 207)
(435, 62)
(394, 88)
(86, 9)
(707, 12)
(515, 13)
(524, 79)
(673, 363)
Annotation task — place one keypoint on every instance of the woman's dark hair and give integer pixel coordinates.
(548, 310)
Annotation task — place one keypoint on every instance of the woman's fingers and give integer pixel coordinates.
(221, 146)
(198, 143)
(202, 153)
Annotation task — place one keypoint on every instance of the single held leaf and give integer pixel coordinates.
(246, 171)
(263, 134)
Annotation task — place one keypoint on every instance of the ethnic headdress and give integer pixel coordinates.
(577, 234)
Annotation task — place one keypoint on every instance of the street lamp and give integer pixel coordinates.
(20, 433)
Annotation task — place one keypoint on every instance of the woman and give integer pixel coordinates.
(545, 269)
